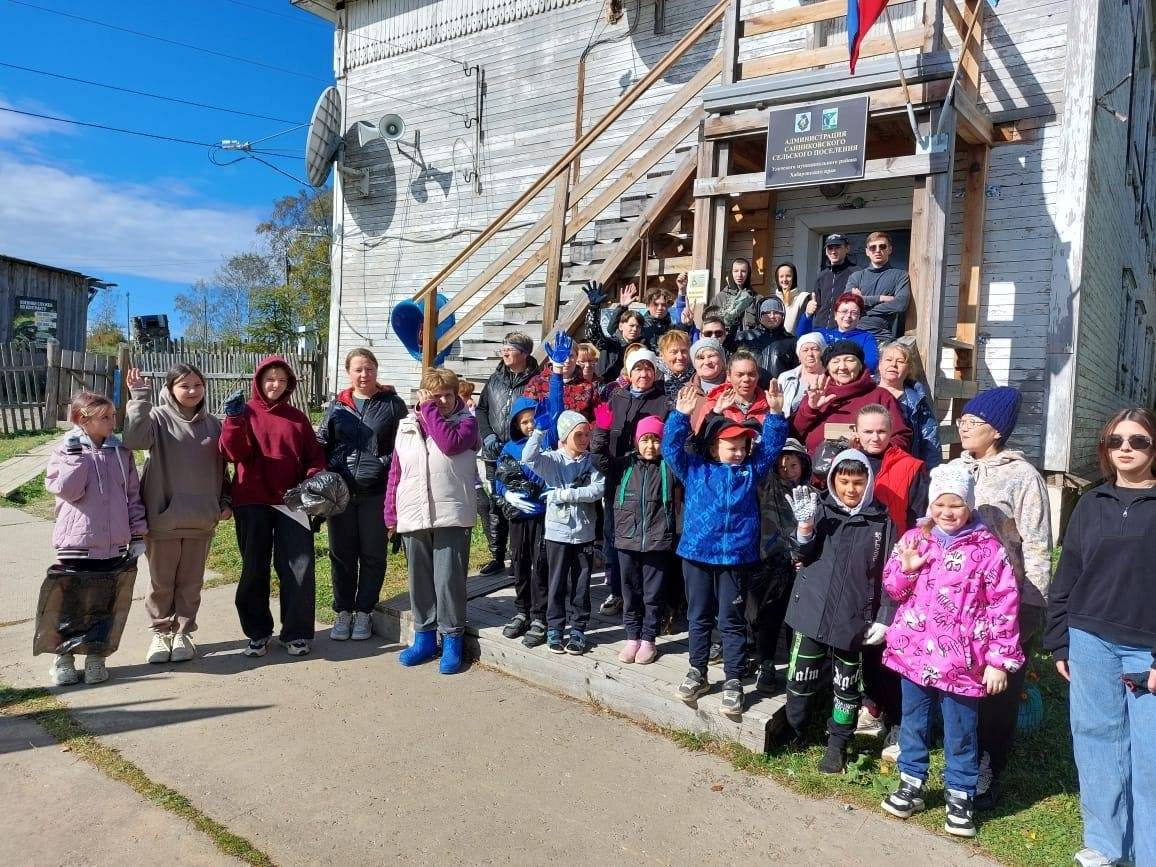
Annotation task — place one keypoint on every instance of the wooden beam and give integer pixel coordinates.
(955, 389)
(730, 43)
(793, 61)
(720, 206)
(955, 16)
(763, 245)
(700, 244)
(429, 331)
(973, 122)
(971, 57)
(971, 256)
(554, 256)
(768, 22)
(883, 102)
(562, 164)
(927, 265)
(913, 165)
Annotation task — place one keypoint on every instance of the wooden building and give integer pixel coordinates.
(39, 300)
(562, 140)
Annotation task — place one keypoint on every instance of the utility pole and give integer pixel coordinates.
(127, 315)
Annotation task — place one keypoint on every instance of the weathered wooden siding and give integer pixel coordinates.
(67, 288)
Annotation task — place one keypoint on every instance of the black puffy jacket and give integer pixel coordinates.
(647, 506)
(359, 444)
(497, 399)
(774, 349)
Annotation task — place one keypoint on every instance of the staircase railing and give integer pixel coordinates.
(562, 222)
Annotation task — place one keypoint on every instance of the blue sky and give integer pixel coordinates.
(151, 216)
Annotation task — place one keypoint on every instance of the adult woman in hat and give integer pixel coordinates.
(1012, 502)
(838, 397)
(810, 374)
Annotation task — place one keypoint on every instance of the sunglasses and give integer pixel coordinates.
(714, 334)
(874, 247)
(1138, 442)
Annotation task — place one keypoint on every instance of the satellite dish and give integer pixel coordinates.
(324, 137)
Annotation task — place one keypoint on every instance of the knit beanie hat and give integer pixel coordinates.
(999, 407)
(637, 356)
(812, 337)
(772, 305)
(649, 424)
(707, 343)
(520, 342)
(567, 421)
(952, 478)
(842, 347)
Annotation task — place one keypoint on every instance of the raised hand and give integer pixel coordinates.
(423, 396)
(688, 314)
(725, 401)
(234, 404)
(817, 397)
(680, 282)
(544, 420)
(559, 351)
(774, 398)
(603, 416)
(134, 381)
(812, 306)
(910, 560)
(628, 295)
(72, 446)
(687, 399)
(595, 294)
(804, 503)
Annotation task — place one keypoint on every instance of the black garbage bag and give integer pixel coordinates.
(511, 474)
(824, 456)
(83, 611)
(319, 496)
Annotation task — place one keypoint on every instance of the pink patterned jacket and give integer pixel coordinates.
(957, 615)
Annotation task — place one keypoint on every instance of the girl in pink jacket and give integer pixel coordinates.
(954, 639)
(100, 519)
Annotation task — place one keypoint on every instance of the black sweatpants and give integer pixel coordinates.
(809, 661)
(767, 600)
(357, 544)
(643, 575)
(528, 566)
(569, 585)
(882, 685)
(998, 713)
(266, 535)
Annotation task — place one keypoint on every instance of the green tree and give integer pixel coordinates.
(104, 331)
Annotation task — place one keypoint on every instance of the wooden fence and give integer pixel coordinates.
(67, 371)
(22, 382)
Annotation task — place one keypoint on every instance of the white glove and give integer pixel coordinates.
(519, 501)
(804, 502)
(136, 549)
(876, 632)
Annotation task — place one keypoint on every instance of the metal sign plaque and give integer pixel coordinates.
(821, 143)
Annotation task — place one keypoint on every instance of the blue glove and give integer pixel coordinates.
(595, 294)
(234, 404)
(491, 444)
(72, 446)
(559, 352)
(544, 420)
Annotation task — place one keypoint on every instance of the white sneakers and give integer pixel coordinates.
(94, 669)
(362, 626)
(160, 648)
(869, 724)
(63, 671)
(342, 626)
(348, 625)
(183, 648)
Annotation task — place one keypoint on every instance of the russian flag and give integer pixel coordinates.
(861, 17)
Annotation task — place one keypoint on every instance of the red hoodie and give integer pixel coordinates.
(272, 444)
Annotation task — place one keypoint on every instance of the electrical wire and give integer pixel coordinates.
(214, 53)
(108, 128)
(146, 93)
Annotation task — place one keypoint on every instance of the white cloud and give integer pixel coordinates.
(97, 225)
(17, 127)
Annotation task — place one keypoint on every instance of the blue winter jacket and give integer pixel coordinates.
(720, 523)
(514, 446)
(916, 407)
(864, 338)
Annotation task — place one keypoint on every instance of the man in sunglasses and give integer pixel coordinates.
(885, 290)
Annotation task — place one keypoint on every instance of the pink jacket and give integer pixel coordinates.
(99, 512)
(958, 614)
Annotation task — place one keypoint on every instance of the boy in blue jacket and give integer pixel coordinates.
(720, 536)
(574, 487)
(518, 493)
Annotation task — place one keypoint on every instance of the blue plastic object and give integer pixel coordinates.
(406, 321)
(1031, 713)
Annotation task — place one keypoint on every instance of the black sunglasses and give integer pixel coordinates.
(714, 334)
(1139, 442)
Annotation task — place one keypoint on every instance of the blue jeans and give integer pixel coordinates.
(1114, 739)
(960, 741)
(716, 594)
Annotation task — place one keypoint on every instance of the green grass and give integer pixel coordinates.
(1037, 821)
(51, 714)
(12, 445)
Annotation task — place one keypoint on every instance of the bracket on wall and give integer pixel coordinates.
(659, 16)
(478, 73)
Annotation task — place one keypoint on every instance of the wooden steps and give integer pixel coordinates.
(23, 468)
(641, 692)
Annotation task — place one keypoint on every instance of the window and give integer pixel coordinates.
(1139, 111)
(1133, 348)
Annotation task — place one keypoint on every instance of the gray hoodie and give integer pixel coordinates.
(574, 487)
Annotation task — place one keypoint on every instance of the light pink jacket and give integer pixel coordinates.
(99, 512)
(958, 614)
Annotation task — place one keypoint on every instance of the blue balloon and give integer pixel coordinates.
(407, 319)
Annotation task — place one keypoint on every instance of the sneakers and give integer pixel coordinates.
(536, 635)
(554, 641)
(870, 724)
(693, 686)
(183, 648)
(257, 646)
(767, 682)
(160, 648)
(362, 626)
(493, 568)
(960, 822)
(611, 606)
(517, 626)
(1091, 858)
(629, 652)
(890, 751)
(423, 649)
(647, 653)
(94, 669)
(297, 647)
(987, 787)
(63, 671)
(732, 700)
(576, 646)
(715, 655)
(834, 760)
(907, 800)
(342, 626)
